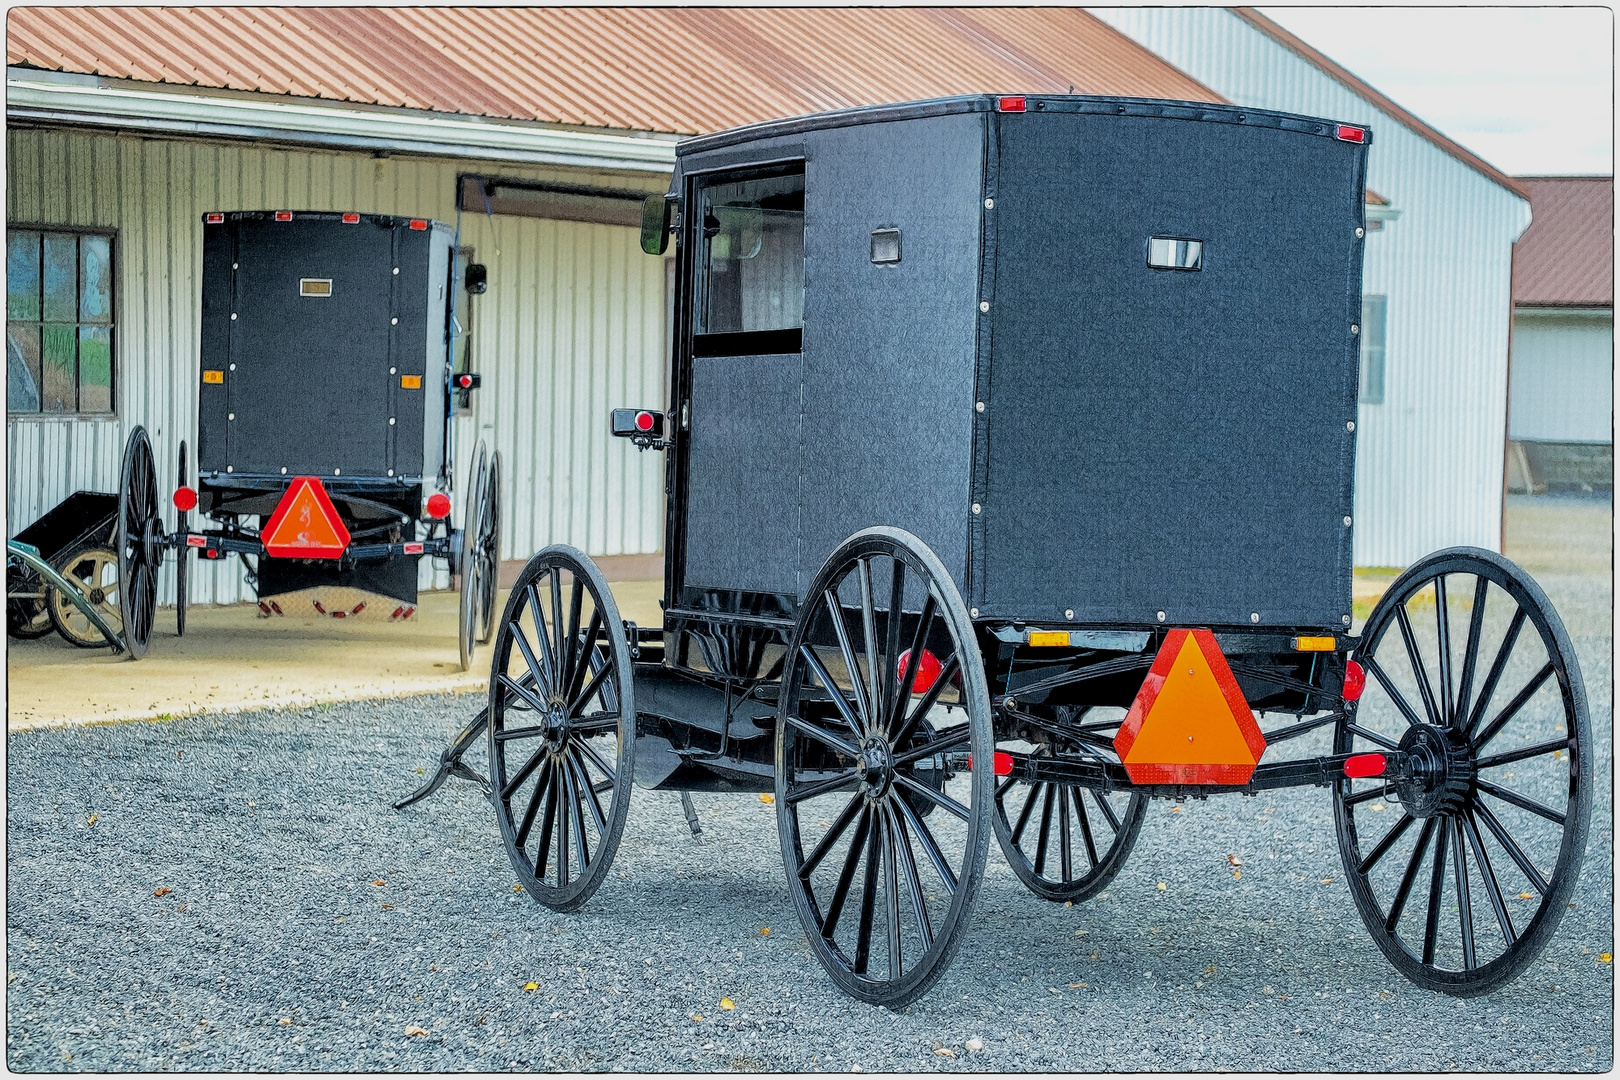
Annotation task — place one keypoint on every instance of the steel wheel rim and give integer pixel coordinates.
(852, 834)
(182, 563)
(489, 549)
(1470, 857)
(561, 729)
(138, 549)
(470, 603)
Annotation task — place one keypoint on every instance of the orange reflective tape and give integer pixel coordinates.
(411, 382)
(213, 376)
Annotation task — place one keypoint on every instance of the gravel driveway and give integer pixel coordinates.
(304, 925)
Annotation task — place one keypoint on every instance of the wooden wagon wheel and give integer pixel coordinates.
(562, 725)
(95, 571)
(1065, 842)
(139, 543)
(1463, 871)
(471, 567)
(884, 895)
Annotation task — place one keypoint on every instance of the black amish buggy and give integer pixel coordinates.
(324, 426)
(1010, 447)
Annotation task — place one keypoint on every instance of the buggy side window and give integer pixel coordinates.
(751, 274)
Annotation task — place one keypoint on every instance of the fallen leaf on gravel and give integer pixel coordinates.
(1525, 896)
(975, 1044)
(531, 987)
(1210, 970)
(388, 907)
(765, 931)
(727, 1004)
(1163, 886)
(1077, 986)
(412, 1029)
(1607, 958)
(517, 888)
(1175, 809)
(1237, 874)
(1233, 860)
(161, 892)
(420, 771)
(1327, 881)
(286, 1022)
(697, 1018)
(379, 883)
(945, 1052)
(93, 818)
(767, 798)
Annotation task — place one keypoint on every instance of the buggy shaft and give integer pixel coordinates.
(1109, 776)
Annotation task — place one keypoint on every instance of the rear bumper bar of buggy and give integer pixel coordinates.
(1106, 776)
(211, 545)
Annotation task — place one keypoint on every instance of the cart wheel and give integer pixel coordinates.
(140, 548)
(491, 550)
(562, 723)
(469, 567)
(1467, 866)
(27, 616)
(95, 571)
(883, 895)
(1064, 841)
(182, 559)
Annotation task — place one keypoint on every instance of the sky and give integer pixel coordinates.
(1529, 89)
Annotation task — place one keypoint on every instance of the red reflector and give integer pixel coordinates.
(319, 608)
(464, 381)
(264, 607)
(1364, 765)
(644, 421)
(340, 614)
(214, 219)
(1011, 104)
(418, 224)
(275, 607)
(1004, 764)
(358, 608)
(351, 219)
(283, 215)
(438, 505)
(305, 525)
(197, 541)
(185, 499)
(398, 612)
(1351, 134)
(413, 549)
(928, 669)
(1355, 681)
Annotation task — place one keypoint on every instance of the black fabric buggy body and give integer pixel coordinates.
(1010, 455)
(324, 425)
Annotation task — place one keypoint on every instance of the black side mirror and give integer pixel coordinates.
(477, 278)
(656, 212)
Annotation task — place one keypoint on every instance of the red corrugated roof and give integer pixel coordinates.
(1566, 256)
(679, 70)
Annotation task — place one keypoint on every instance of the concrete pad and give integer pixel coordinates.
(232, 659)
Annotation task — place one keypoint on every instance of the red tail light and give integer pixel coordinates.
(418, 224)
(1011, 104)
(438, 505)
(1002, 761)
(928, 668)
(1364, 765)
(214, 219)
(185, 499)
(1355, 681)
(351, 219)
(644, 421)
(283, 215)
(1347, 133)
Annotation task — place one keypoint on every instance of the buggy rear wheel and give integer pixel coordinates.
(562, 725)
(491, 551)
(95, 571)
(1462, 870)
(139, 543)
(884, 893)
(477, 567)
(182, 557)
(1065, 842)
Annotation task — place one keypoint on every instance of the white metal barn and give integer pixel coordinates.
(1432, 429)
(1561, 410)
(544, 125)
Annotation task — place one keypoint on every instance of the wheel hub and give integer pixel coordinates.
(874, 768)
(556, 727)
(98, 597)
(1441, 774)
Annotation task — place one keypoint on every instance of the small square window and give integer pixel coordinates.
(885, 245)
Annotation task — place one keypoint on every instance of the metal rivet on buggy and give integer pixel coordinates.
(1350, 425)
(233, 367)
(984, 305)
(989, 204)
(1161, 616)
(390, 421)
(233, 316)
(396, 270)
(1360, 232)
(284, 470)
(230, 416)
(978, 406)
(1354, 329)
(1068, 613)
(977, 508)
(394, 321)
(1254, 616)
(1347, 520)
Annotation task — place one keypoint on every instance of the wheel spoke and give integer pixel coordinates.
(891, 891)
(1510, 756)
(569, 661)
(1364, 796)
(821, 735)
(540, 787)
(587, 651)
(834, 831)
(919, 902)
(1497, 667)
(1065, 850)
(945, 741)
(1029, 808)
(863, 938)
(826, 680)
(820, 787)
(869, 633)
(592, 803)
(1085, 826)
(548, 822)
(1511, 846)
(559, 654)
(564, 819)
(594, 723)
(1373, 737)
(892, 695)
(597, 759)
(584, 696)
(540, 671)
(1492, 889)
(520, 733)
(1437, 883)
(902, 695)
(848, 653)
(1383, 845)
(947, 672)
(576, 817)
(840, 896)
(1476, 628)
(1409, 878)
(533, 703)
(1442, 629)
(930, 846)
(1419, 671)
(1373, 668)
(1514, 706)
(1046, 829)
(522, 774)
(1465, 904)
(1107, 811)
(937, 797)
(1524, 802)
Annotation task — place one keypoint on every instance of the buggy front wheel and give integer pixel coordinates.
(139, 540)
(884, 710)
(1462, 867)
(562, 722)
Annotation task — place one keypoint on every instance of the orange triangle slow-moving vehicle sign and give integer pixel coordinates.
(1190, 723)
(305, 525)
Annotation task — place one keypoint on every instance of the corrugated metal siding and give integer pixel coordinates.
(1429, 458)
(572, 325)
(1563, 378)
